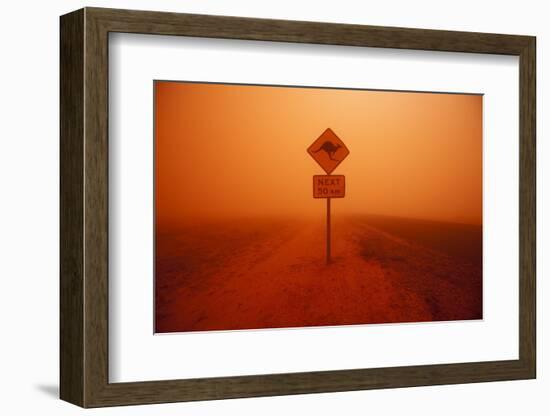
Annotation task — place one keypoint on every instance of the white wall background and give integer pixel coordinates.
(29, 169)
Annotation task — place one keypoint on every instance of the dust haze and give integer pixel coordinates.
(240, 151)
(240, 240)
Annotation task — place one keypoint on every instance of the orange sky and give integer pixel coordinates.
(238, 150)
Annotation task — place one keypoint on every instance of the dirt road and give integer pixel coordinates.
(267, 274)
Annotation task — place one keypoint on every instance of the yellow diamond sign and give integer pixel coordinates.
(328, 151)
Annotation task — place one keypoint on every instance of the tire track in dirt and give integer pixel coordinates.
(451, 287)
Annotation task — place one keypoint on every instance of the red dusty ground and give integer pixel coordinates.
(252, 274)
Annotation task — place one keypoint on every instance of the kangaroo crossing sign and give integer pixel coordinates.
(328, 151)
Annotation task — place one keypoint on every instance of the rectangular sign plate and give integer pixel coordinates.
(329, 186)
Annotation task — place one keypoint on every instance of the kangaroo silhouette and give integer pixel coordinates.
(330, 148)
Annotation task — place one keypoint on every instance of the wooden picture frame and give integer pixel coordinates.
(84, 207)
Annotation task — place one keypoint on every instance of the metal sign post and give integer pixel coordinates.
(328, 151)
(328, 230)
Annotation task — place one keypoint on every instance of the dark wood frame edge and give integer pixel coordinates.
(84, 207)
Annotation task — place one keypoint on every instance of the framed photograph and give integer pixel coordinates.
(254, 207)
